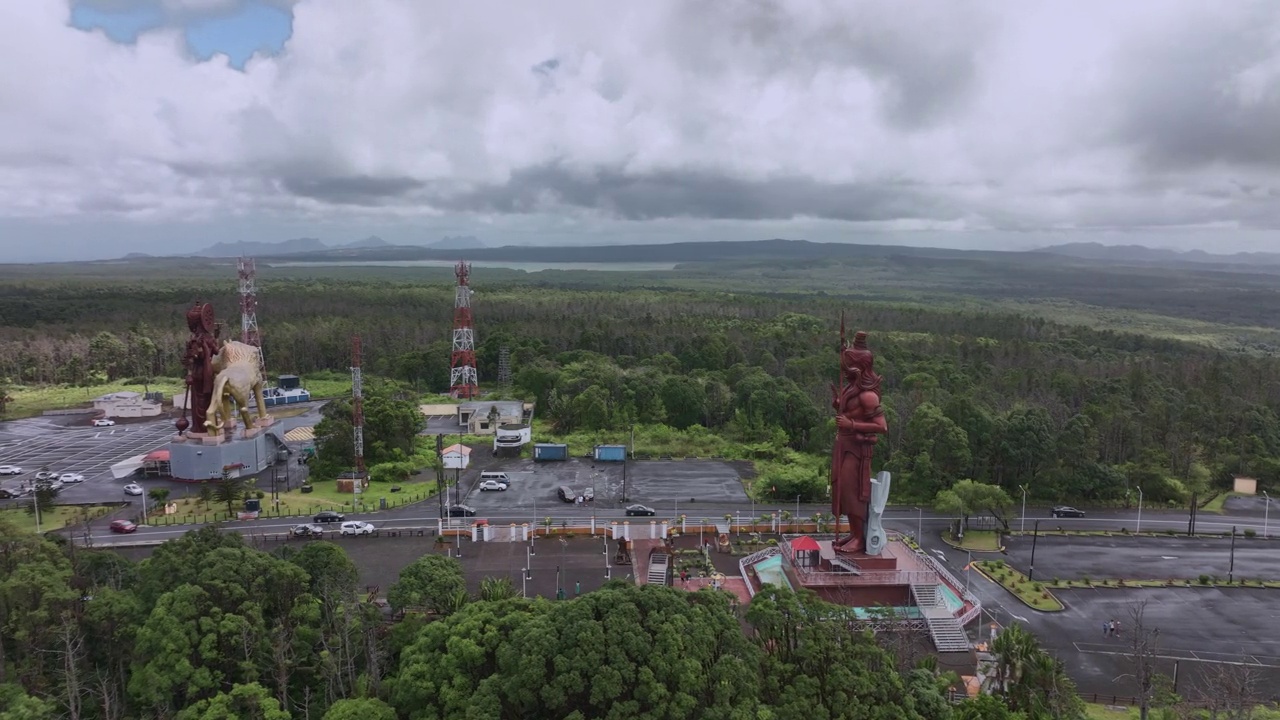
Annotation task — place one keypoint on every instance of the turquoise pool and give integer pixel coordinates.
(953, 601)
(770, 571)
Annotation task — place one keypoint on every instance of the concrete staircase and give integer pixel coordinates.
(848, 566)
(947, 633)
(658, 565)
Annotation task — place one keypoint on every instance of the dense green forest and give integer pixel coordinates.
(1071, 412)
(208, 628)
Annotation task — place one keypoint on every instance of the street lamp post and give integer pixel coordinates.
(524, 582)
(797, 507)
(1138, 531)
(1031, 571)
(1231, 569)
(1024, 509)
(1266, 514)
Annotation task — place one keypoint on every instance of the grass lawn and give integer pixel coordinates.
(30, 400)
(1216, 504)
(977, 541)
(54, 518)
(1033, 594)
(324, 496)
(327, 385)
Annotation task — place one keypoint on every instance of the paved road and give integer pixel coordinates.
(1145, 558)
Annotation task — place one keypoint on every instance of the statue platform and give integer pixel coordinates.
(198, 456)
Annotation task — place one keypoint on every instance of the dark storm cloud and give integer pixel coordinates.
(685, 194)
(1209, 94)
(352, 189)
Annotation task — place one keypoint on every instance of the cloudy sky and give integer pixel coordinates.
(141, 125)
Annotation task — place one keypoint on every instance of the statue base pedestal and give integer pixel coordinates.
(871, 562)
(200, 457)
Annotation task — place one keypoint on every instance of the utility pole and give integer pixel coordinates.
(1191, 517)
(440, 472)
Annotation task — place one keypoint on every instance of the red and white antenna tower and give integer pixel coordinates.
(249, 334)
(463, 380)
(357, 412)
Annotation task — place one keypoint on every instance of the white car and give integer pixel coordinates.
(71, 478)
(103, 422)
(492, 485)
(356, 527)
(133, 489)
(10, 470)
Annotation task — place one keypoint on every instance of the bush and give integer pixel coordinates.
(1250, 533)
(1204, 579)
(1085, 580)
(1037, 587)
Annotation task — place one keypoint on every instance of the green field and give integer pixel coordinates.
(29, 401)
(54, 518)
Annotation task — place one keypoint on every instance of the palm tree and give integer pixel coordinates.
(497, 588)
(786, 517)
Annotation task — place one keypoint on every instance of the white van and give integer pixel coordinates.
(496, 477)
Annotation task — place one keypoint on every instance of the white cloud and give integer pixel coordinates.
(940, 115)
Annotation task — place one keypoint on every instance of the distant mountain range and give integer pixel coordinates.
(448, 248)
(1144, 255)
(300, 246)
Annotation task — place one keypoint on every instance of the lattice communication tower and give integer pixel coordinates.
(504, 368)
(247, 271)
(463, 380)
(357, 411)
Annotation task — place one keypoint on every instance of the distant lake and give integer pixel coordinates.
(525, 266)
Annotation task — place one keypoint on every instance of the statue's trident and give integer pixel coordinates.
(837, 391)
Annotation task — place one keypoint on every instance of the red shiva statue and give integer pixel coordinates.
(859, 423)
(198, 360)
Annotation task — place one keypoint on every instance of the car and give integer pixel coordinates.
(122, 526)
(10, 470)
(54, 484)
(640, 510)
(1066, 511)
(589, 494)
(133, 489)
(307, 530)
(10, 493)
(328, 516)
(461, 511)
(103, 422)
(492, 485)
(356, 527)
(71, 478)
(46, 475)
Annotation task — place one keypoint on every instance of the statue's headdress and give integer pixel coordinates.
(859, 356)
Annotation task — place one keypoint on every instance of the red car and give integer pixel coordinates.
(123, 526)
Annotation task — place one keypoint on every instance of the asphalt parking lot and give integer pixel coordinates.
(62, 446)
(535, 485)
(660, 484)
(1144, 558)
(1200, 628)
